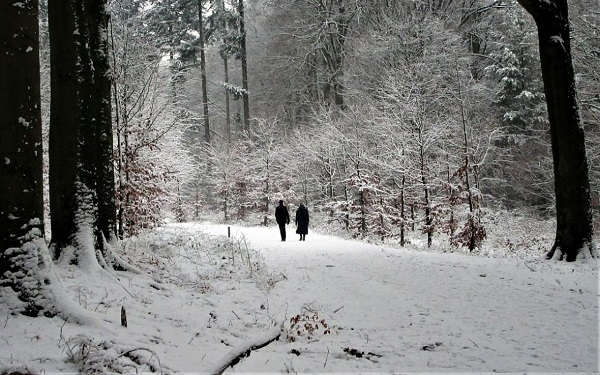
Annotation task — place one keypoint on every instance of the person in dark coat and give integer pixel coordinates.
(282, 216)
(302, 222)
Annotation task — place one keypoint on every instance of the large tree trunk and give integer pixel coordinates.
(81, 165)
(64, 121)
(574, 228)
(100, 101)
(24, 262)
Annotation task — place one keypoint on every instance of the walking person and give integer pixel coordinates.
(282, 216)
(302, 221)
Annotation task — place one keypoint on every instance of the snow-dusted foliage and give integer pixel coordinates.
(246, 177)
(229, 171)
(373, 145)
(234, 90)
(520, 109)
(151, 161)
(585, 43)
(31, 276)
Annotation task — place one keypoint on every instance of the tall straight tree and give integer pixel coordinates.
(64, 121)
(222, 26)
(80, 148)
(226, 80)
(99, 98)
(203, 72)
(244, 57)
(574, 225)
(24, 263)
(225, 52)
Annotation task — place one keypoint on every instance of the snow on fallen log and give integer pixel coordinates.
(243, 350)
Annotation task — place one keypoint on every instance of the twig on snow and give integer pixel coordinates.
(527, 265)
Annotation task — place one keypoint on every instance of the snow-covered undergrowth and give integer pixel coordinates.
(510, 234)
(172, 303)
(341, 306)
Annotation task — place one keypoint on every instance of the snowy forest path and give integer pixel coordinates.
(433, 310)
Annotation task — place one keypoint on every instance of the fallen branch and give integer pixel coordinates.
(141, 360)
(243, 350)
(360, 354)
(527, 265)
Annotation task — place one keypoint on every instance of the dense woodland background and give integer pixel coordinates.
(393, 121)
(414, 121)
(382, 116)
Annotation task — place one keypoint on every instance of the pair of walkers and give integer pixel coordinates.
(282, 216)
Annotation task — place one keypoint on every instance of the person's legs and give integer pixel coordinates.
(282, 231)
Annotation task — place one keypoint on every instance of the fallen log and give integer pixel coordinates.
(243, 350)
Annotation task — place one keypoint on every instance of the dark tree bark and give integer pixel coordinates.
(101, 122)
(245, 95)
(402, 213)
(64, 121)
(226, 79)
(22, 247)
(227, 101)
(574, 229)
(81, 165)
(203, 73)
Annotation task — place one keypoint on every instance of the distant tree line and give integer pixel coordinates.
(391, 115)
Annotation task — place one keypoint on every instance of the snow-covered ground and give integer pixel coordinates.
(345, 307)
